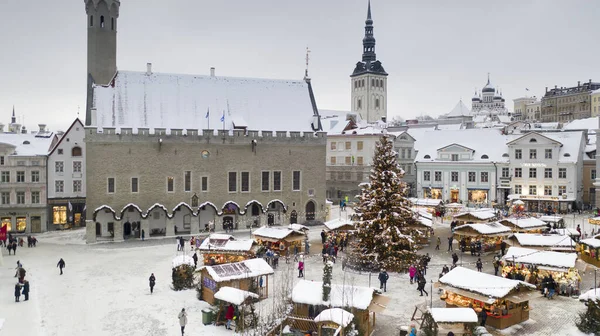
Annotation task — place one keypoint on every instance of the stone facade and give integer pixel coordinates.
(566, 104)
(166, 184)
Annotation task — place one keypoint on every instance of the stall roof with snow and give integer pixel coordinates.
(362, 298)
(566, 232)
(543, 259)
(528, 223)
(551, 219)
(476, 215)
(178, 101)
(482, 286)
(183, 260)
(453, 315)
(339, 224)
(335, 315)
(592, 242)
(544, 240)
(234, 295)
(224, 242)
(298, 227)
(489, 229)
(241, 270)
(428, 202)
(277, 234)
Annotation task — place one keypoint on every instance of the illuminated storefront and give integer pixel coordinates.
(434, 193)
(553, 204)
(478, 196)
(59, 215)
(7, 221)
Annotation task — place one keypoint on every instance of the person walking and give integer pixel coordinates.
(412, 271)
(301, 269)
(454, 258)
(421, 285)
(195, 257)
(439, 242)
(450, 239)
(229, 316)
(482, 317)
(152, 281)
(61, 264)
(496, 264)
(26, 290)
(17, 291)
(503, 246)
(383, 278)
(479, 265)
(182, 320)
(323, 236)
(178, 243)
(424, 262)
(143, 234)
(182, 243)
(413, 330)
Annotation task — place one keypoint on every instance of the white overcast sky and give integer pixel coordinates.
(436, 51)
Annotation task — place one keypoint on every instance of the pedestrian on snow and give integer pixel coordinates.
(229, 316)
(479, 265)
(450, 239)
(454, 259)
(383, 278)
(496, 264)
(195, 257)
(421, 285)
(152, 281)
(17, 291)
(323, 236)
(503, 246)
(482, 317)
(61, 264)
(182, 320)
(182, 243)
(424, 262)
(14, 247)
(26, 290)
(306, 246)
(413, 330)
(412, 271)
(143, 234)
(445, 269)
(178, 244)
(439, 242)
(301, 269)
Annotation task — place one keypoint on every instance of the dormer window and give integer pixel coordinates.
(505, 155)
(567, 155)
(454, 157)
(484, 156)
(533, 140)
(427, 157)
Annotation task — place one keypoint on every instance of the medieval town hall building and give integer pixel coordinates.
(169, 154)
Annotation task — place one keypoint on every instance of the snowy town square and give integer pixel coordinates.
(299, 168)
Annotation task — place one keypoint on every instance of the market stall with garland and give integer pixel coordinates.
(333, 322)
(424, 225)
(533, 266)
(557, 222)
(490, 235)
(543, 242)
(525, 224)
(219, 249)
(455, 320)
(589, 251)
(280, 239)
(505, 301)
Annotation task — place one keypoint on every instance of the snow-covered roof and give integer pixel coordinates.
(223, 242)
(486, 228)
(459, 110)
(480, 214)
(28, 144)
(571, 148)
(529, 239)
(551, 219)
(298, 227)
(425, 221)
(565, 232)
(592, 294)
(485, 141)
(425, 201)
(335, 315)
(525, 223)
(311, 292)
(338, 223)
(233, 295)
(241, 270)
(449, 127)
(182, 260)
(593, 242)
(158, 100)
(275, 233)
(541, 258)
(453, 315)
(504, 119)
(482, 283)
(582, 124)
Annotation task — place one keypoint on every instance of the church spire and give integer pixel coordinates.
(13, 119)
(369, 40)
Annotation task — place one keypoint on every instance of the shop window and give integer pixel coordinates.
(59, 215)
(21, 224)
(7, 221)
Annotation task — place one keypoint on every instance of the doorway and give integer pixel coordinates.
(36, 224)
(270, 219)
(310, 211)
(98, 229)
(127, 229)
(294, 217)
(454, 196)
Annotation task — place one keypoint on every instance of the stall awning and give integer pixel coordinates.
(475, 296)
(379, 303)
(523, 296)
(554, 269)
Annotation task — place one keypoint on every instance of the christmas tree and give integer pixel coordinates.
(589, 320)
(385, 227)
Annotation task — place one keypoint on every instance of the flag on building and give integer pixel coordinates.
(70, 207)
(207, 113)
(3, 231)
(223, 117)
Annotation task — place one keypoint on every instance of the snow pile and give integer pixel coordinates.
(425, 221)
(453, 315)
(310, 292)
(241, 270)
(335, 315)
(593, 242)
(541, 258)
(526, 223)
(592, 294)
(233, 295)
(482, 283)
(183, 260)
(487, 228)
(224, 242)
(338, 223)
(274, 233)
(528, 239)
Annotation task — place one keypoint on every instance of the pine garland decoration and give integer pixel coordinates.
(183, 277)
(385, 235)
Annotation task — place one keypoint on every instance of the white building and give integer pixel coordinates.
(489, 101)
(66, 178)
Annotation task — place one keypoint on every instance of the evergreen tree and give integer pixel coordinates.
(183, 277)
(385, 226)
(327, 270)
(589, 321)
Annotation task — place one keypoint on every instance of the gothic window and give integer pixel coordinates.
(91, 20)
(377, 103)
(112, 23)
(373, 82)
(102, 21)
(76, 151)
(359, 104)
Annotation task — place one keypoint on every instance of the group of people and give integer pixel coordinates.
(417, 274)
(22, 285)
(332, 243)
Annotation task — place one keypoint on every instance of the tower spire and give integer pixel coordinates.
(369, 11)
(488, 82)
(369, 39)
(13, 119)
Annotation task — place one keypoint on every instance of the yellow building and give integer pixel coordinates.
(595, 100)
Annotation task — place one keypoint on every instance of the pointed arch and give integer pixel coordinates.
(104, 207)
(182, 204)
(131, 206)
(262, 208)
(154, 206)
(276, 201)
(310, 210)
(210, 204)
(228, 204)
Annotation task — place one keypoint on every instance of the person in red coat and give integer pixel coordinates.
(229, 316)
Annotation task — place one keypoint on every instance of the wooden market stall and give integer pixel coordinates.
(219, 249)
(505, 301)
(280, 239)
(589, 251)
(525, 224)
(237, 297)
(490, 235)
(543, 242)
(423, 225)
(333, 321)
(340, 224)
(455, 320)
(250, 275)
(533, 266)
(476, 216)
(363, 302)
(557, 222)
(573, 233)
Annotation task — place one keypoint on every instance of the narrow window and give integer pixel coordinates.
(112, 23)
(102, 21)
(134, 184)
(232, 182)
(111, 185)
(245, 181)
(296, 180)
(187, 181)
(277, 181)
(91, 20)
(265, 181)
(170, 183)
(204, 186)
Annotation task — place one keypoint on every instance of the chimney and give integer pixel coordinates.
(212, 72)
(42, 128)
(578, 83)
(23, 130)
(555, 87)
(16, 128)
(546, 89)
(148, 69)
